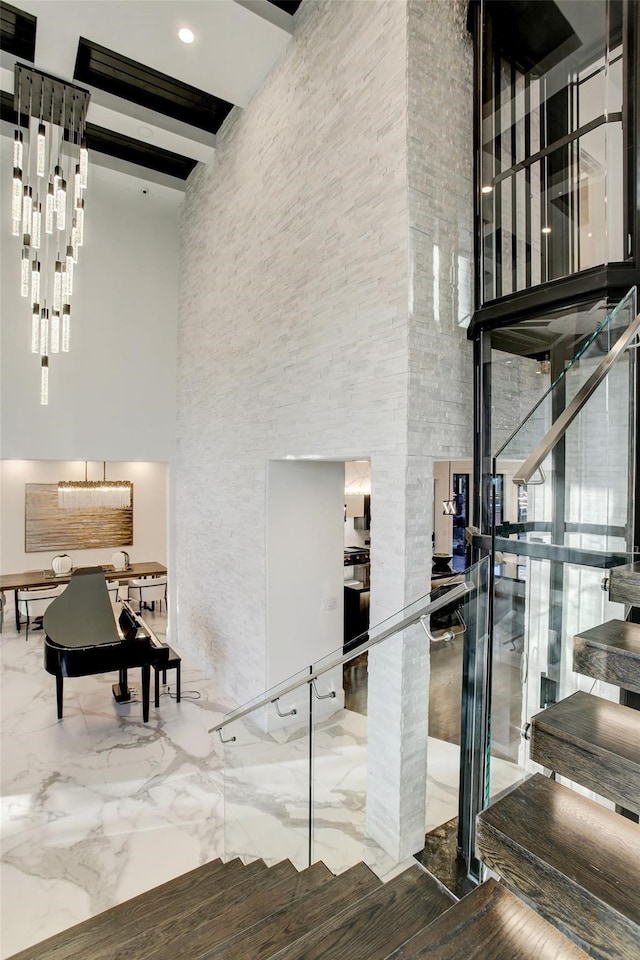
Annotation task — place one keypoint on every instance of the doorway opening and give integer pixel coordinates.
(357, 580)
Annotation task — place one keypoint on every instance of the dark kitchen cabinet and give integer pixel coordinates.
(356, 612)
(364, 522)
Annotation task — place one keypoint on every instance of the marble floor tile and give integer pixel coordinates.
(100, 806)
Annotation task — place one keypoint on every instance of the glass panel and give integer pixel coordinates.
(278, 769)
(592, 210)
(614, 81)
(340, 759)
(539, 606)
(559, 537)
(552, 171)
(591, 93)
(615, 194)
(340, 734)
(573, 358)
(504, 202)
(266, 783)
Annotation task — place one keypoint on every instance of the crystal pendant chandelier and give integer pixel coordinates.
(47, 204)
(78, 494)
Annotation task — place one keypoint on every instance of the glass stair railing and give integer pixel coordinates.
(296, 757)
(559, 513)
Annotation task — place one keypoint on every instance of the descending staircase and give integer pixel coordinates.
(234, 912)
(570, 867)
(575, 860)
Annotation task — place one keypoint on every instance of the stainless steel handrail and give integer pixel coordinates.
(542, 450)
(275, 693)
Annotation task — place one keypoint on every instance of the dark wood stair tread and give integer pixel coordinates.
(202, 887)
(610, 652)
(285, 926)
(576, 860)
(184, 924)
(490, 923)
(624, 584)
(201, 931)
(594, 742)
(378, 923)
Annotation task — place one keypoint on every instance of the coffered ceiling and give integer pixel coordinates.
(156, 103)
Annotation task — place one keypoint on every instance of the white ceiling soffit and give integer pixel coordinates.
(236, 44)
(231, 55)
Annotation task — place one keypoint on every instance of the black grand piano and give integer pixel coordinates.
(83, 638)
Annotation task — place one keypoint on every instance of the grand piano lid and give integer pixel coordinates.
(82, 616)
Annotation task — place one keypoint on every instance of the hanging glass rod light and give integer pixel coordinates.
(47, 203)
(449, 506)
(78, 494)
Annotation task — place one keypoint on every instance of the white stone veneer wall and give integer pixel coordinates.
(440, 397)
(292, 330)
(308, 328)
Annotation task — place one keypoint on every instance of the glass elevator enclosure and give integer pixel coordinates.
(552, 153)
(556, 228)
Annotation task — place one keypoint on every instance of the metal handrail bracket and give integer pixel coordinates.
(457, 592)
(542, 450)
(322, 696)
(287, 713)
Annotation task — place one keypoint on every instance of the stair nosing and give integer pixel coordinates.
(545, 722)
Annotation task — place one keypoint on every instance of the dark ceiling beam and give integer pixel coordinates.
(17, 32)
(110, 71)
(139, 152)
(117, 145)
(289, 6)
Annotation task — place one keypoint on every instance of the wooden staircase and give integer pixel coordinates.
(570, 867)
(234, 912)
(574, 859)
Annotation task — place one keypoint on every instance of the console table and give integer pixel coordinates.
(44, 578)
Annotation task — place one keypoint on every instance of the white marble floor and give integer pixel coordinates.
(100, 806)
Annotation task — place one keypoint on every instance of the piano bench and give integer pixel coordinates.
(173, 663)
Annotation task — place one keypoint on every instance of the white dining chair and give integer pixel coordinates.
(33, 603)
(147, 591)
(113, 586)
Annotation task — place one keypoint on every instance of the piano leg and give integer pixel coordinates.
(146, 682)
(59, 683)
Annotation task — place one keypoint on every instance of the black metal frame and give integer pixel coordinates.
(609, 281)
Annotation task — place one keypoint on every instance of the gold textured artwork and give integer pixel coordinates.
(50, 527)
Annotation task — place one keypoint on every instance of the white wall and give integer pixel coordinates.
(113, 395)
(304, 547)
(439, 399)
(312, 324)
(149, 511)
(293, 307)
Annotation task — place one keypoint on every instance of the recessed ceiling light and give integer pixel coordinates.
(186, 35)
(487, 188)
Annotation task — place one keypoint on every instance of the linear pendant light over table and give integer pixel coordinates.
(78, 494)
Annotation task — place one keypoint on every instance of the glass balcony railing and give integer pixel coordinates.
(560, 514)
(296, 758)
